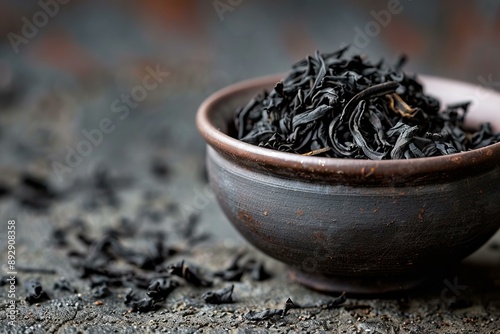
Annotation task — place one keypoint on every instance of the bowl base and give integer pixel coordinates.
(358, 286)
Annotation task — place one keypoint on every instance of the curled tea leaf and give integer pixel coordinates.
(221, 296)
(35, 292)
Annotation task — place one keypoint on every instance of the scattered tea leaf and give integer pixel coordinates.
(63, 284)
(34, 292)
(263, 315)
(259, 273)
(100, 292)
(182, 270)
(160, 288)
(144, 305)
(221, 296)
(269, 313)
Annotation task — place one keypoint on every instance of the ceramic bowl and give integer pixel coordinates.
(360, 226)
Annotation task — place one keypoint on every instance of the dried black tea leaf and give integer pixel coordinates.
(160, 288)
(323, 305)
(221, 296)
(101, 291)
(36, 183)
(160, 168)
(269, 313)
(144, 305)
(5, 189)
(263, 315)
(39, 185)
(234, 264)
(182, 270)
(230, 275)
(335, 302)
(340, 107)
(136, 280)
(64, 285)
(235, 270)
(34, 292)
(59, 238)
(126, 228)
(289, 304)
(84, 239)
(258, 272)
(35, 191)
(129, 296)
(144, 260)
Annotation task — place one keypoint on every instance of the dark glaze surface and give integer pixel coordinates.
(364, 222)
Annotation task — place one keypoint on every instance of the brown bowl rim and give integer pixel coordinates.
(243, 152)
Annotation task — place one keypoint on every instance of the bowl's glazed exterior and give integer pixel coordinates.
(356, 225)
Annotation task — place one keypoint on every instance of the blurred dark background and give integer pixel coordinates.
(62, 74)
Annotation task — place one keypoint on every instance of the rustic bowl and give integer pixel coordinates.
(361, 226)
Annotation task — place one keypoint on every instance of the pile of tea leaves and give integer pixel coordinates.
(334, 106)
